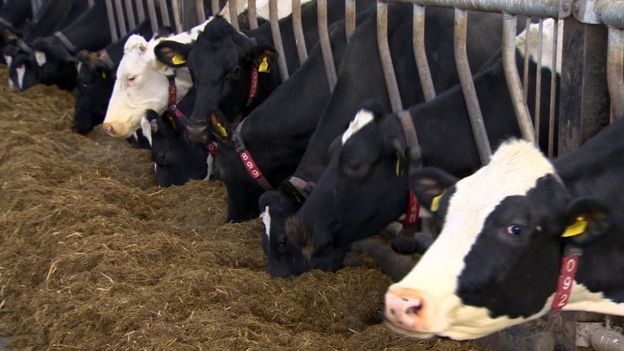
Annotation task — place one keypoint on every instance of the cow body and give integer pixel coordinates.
(361, 70)
(502, 238)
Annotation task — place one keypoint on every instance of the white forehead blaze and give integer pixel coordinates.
(266, 220)
(362, 118)
(514, 169)
(8, 60)
(40, 57)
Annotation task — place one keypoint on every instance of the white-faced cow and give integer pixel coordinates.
(510, 241)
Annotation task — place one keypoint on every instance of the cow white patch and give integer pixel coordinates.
(514, 169)
(210, 167)
(362, 118)
(266, 220)
(584, 300)
(8, 60)
(78, 66)
(21, 71)
(146, 129)
(40, 57)
(548, 31)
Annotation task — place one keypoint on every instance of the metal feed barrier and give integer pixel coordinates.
(592, 81)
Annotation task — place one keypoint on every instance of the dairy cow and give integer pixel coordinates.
(361, 70)
(521, 236)
(142, 83)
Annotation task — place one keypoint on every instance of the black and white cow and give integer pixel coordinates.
(234, 72)
(506, 228)
(55, 54)
(276, 133)
(53, 16)
(353, 89)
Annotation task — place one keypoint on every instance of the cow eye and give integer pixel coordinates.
(515, 230)
(234, 73)
(131, 79)
(282, 244)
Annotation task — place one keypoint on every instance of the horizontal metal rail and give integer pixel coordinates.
(610, 12)
(534, 8)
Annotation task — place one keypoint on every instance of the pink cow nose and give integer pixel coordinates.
(110, 129)
(407, 309)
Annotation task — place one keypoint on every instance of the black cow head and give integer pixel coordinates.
(499, 252)
(96, 77)
(176, 159)
(55, 64)
(221, 63)
(359, 193)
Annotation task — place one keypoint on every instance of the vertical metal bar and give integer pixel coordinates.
(349, 18)
(140, 10)
(615, 57)
(233, 4)
(91, 3)
(111, 20)
(538, 80)
(277, 39)
(302, 52)
(513, 80)
(121, 23)
(164, 13)
(215, 7)
(418, 42)
(525, 76)
(386, 59)
(201, 14)
(33, 7)
(130, 15)
(151, 10)
(553, 92)
(251, 14)
(177, 17)
(328, 57)
(470, 93)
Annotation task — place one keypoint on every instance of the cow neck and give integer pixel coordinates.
(172, 106)
(413, 153)
(569, 265)
(68, 45)
(248, 161)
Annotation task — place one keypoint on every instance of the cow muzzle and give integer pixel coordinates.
(409, 312)
(115, 130)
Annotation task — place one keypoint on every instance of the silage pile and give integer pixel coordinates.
(94, 256)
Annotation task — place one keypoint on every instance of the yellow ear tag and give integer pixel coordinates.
(577, 228)
(435, 203)
(264, 65)
(221, 130)
(177, 59)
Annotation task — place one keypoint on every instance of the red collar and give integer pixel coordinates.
(248, 161)
(253, 85)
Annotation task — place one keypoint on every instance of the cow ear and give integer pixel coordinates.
(172, 53)
(219, 127)
(260, 56)
(429, 184)
(587, 220)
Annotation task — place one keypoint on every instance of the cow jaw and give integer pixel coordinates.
(514, 170)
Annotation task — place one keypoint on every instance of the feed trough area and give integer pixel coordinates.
(95, 256)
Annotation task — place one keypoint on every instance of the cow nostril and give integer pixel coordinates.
(415, 308)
